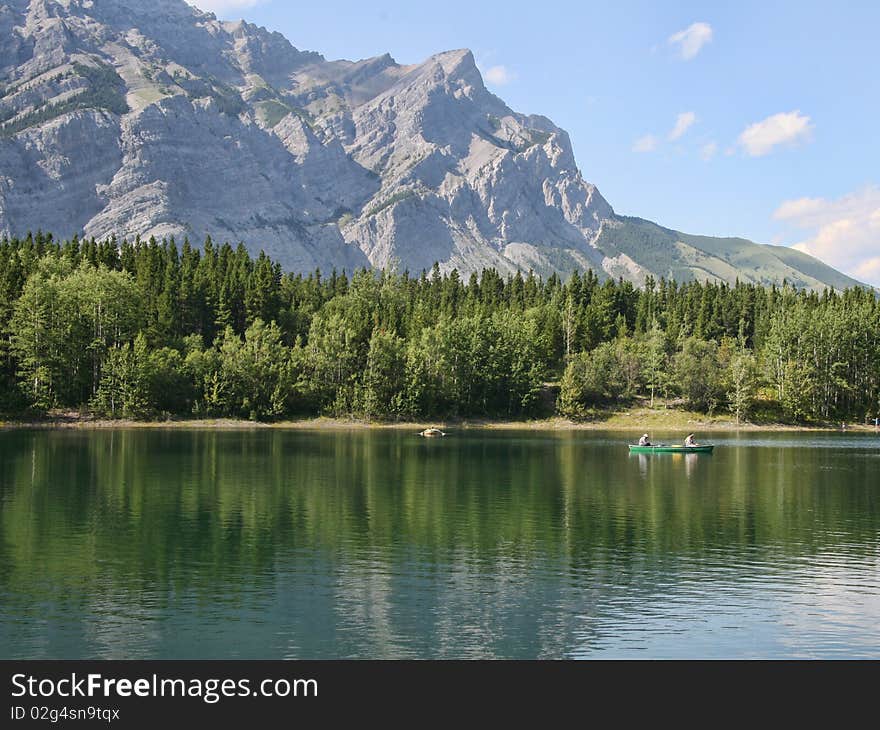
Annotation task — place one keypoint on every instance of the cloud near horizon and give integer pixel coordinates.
(691, 40)
(844, 233)
(787, 128)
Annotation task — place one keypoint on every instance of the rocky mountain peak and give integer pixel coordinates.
(151, 117)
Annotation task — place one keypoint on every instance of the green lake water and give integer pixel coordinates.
(379, 544)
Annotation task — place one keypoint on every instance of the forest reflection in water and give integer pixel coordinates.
(269, 543)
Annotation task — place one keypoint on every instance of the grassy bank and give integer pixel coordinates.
(637, 419)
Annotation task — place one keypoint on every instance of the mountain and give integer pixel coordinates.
(150, 117)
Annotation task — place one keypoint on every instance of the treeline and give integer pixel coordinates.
(145, 329)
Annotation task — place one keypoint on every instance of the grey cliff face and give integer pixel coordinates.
(150, 117)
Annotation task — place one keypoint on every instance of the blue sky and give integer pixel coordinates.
(751, 119)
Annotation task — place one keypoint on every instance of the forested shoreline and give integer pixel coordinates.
(149, 330)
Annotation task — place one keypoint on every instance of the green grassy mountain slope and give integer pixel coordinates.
(662, 252)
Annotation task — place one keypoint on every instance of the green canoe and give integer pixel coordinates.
(664, 449)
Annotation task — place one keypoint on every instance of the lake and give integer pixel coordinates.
(154, 544)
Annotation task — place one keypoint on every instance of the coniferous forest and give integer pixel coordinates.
(151, 330)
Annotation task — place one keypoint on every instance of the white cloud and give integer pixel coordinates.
(869, 271)
(784, 128)
(691, 40)
(708, 151)
(844, 233)
(222, 6)
(499, 75)
(648, 143)
(684, 122)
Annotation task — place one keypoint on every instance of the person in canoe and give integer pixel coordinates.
(690, 441)
(645, 440)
